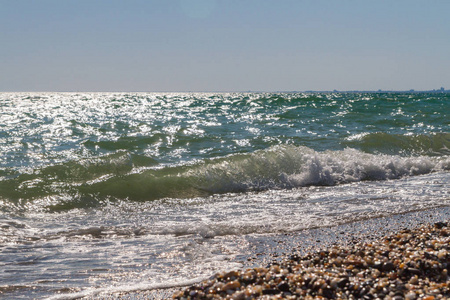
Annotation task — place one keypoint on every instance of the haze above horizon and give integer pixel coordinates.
(223, 45)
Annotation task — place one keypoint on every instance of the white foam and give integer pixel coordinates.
(291, 166)
(90, 292)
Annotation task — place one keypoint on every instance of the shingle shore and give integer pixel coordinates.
(410, 264)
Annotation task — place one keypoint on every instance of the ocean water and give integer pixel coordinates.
(112, 192)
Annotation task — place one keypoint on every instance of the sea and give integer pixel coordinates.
(104, 193)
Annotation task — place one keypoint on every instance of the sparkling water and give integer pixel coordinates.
(104, 192)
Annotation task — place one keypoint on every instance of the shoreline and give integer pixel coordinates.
(409, 264)
(274, 248)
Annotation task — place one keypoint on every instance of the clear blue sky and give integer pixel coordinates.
(224, 45)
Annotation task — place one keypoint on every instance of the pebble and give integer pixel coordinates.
(410, 264)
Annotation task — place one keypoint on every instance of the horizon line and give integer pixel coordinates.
(441, 90)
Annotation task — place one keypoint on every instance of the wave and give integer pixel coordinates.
(89, 184)
(291, 166)
(65, 180)
(436, 144)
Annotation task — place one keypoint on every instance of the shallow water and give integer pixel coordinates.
(103, 193)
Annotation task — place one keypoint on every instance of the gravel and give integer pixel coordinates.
(410, 264)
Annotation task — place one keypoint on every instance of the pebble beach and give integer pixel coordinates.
(409, 264)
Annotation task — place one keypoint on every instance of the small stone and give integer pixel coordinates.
(414, 271)
(411, 296)
(378, 265)
(275, 269)
(388, 266)
(256, 290)
(444, 232)
(341, 283)
(232, 285)
(414, 280)
(440, 225)
(334, 283)
(217, 287)
(283, 286)
(270, 292)
(442, 254)
(239, 296)
(232, 275)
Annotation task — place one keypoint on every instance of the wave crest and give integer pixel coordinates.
(280, 167)
(291, 166)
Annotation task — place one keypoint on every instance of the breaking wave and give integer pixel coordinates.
(128, 177)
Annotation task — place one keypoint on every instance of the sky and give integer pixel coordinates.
(224, 45)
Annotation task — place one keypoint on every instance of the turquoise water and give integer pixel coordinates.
(160, 171)
(79, 149)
